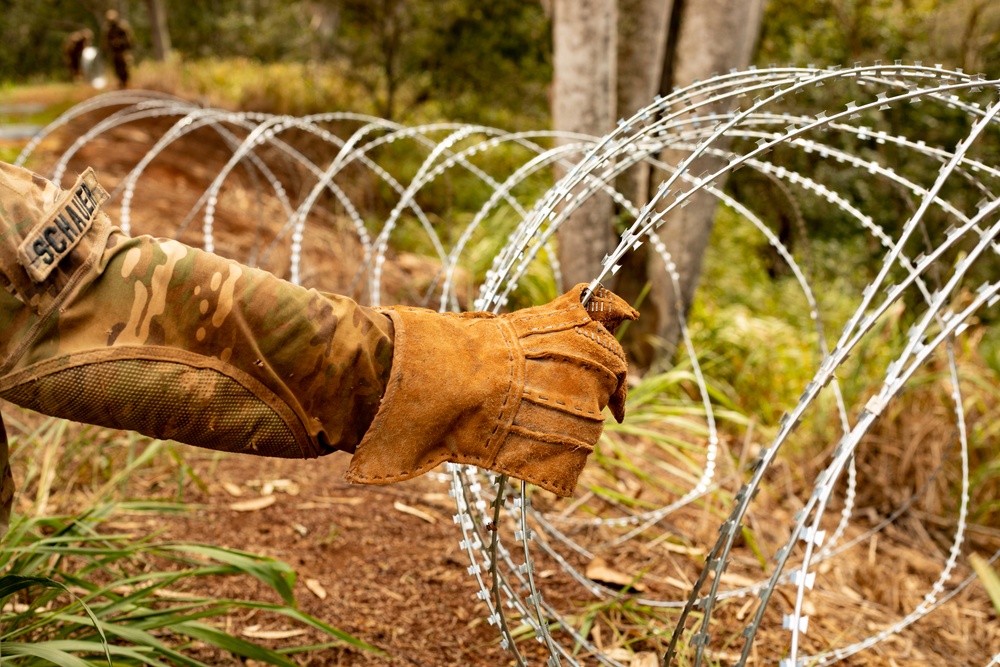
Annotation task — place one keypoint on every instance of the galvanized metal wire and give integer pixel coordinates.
(760, 119)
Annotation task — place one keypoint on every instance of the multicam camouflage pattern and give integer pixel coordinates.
(153, 336)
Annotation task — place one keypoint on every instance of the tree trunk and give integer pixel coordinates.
(591, 89)
(158, 27)
(583, 101)
(697, 53)
(642, 42)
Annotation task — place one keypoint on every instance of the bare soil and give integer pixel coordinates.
(391, 578)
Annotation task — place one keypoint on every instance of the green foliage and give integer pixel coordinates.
(32, 34)
(755, 334)
(956, 33)
(662, 445)
(633, 627)
(258, 30)
(484, 57)
(836, 32)
(807, 222)
(468, 57)
(482, 62)
(759, 347)
(239, 83)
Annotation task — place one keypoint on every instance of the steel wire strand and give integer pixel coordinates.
(689, 122)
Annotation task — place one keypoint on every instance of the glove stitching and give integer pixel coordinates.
(507, 394)
(550, 313)
(576, 362)
(430, 463)
(601, 340)
(407, 474)
(560, 325)
(538, 396)
(551, 439)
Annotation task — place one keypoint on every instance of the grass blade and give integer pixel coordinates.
(235, 645)
(18, 582)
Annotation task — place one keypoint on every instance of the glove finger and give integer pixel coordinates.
(609, 309)
(617, 401)
(608, 351)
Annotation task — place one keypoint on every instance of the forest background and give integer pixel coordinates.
(495, 63)
(485, 62)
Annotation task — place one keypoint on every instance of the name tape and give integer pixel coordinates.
(73, 216)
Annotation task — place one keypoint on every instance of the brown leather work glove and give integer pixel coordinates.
(519, 394)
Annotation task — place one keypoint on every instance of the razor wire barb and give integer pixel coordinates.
(754, 119)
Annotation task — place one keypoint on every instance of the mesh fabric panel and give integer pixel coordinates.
(201, 407)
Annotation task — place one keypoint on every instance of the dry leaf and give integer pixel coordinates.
(676, 583)
(391, 593)
(645, 659)
(253, 504)
(269, 486)
(619, 654)
(254, 632)
(286, 486)
(232, 489)
(682, 549)
(159, 592)
(339, 500)
(310, 506)
(413, 511)
(737, 580)
(171, 595)
(316, 588)
(745, 609)
(599, 571)
(125, 525)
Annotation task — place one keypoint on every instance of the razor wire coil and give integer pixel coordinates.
(741, 119)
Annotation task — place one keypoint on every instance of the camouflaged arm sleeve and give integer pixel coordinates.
(6, 482)
(172, 342)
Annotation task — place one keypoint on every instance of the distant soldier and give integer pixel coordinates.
(118, 40)
(73, 48)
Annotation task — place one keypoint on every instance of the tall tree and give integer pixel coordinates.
(583, 100)
(642, 42)
(663, 43)
(707, 37)
(158, 27)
